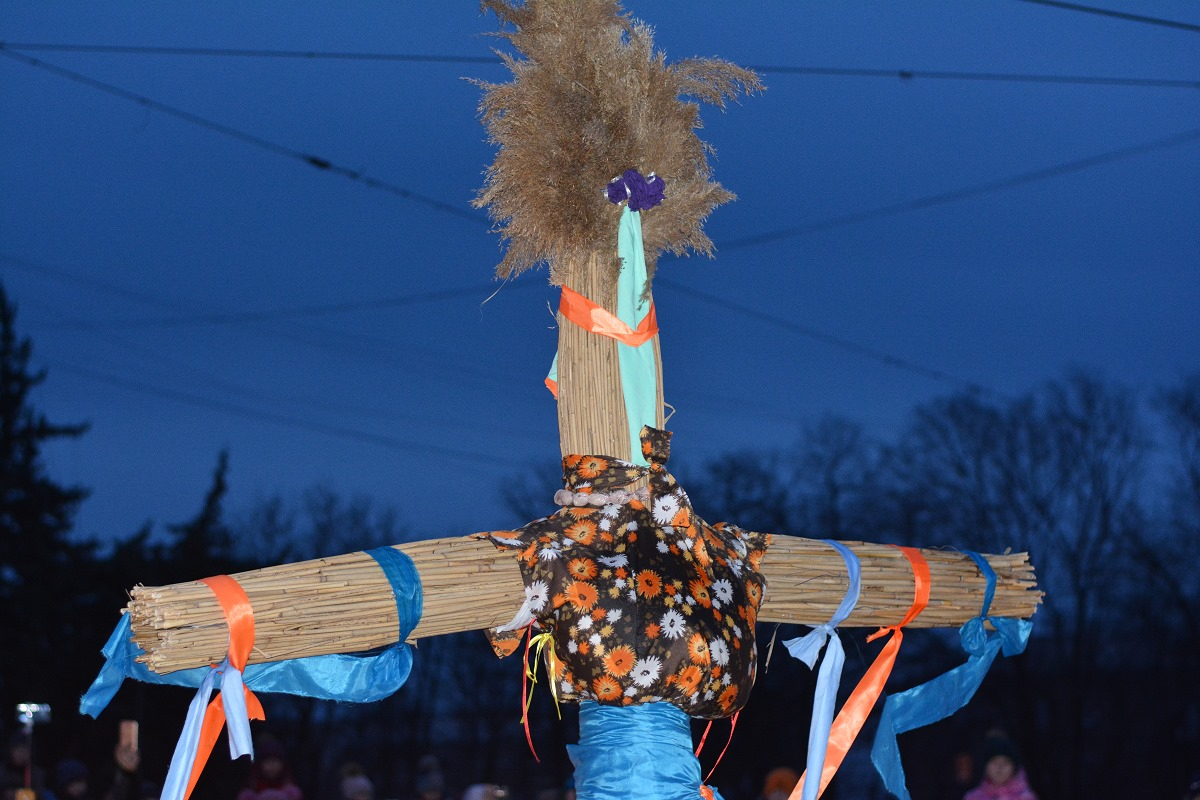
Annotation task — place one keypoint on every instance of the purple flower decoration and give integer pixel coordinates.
(641, 192)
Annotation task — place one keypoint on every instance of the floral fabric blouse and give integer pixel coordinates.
(645, 601)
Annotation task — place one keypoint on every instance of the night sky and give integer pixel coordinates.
(895, 239)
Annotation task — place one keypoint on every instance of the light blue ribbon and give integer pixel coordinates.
(361, 678)
(237, 723)
(639, 378)
(642, 751)
(829, 677)
(939, 698)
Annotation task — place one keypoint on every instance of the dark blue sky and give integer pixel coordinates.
(139, 246)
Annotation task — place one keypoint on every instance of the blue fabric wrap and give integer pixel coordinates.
(642, 751)
(360, 678)
(939, 698)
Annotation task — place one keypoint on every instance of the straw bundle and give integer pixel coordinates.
(591, 406)
(344, 604)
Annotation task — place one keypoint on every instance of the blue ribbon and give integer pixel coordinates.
(939, 698)
(829, 677)
(642, 751)
(358, 678)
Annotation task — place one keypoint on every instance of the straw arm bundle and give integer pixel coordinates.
(344, 604)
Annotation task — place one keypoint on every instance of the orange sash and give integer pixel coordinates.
(240, 617)
(599, 320)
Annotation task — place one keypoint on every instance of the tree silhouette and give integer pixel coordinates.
(36, 516)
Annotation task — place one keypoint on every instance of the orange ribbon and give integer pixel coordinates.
(729, 741)
(858, 706)
(239, 615)
(602, 322)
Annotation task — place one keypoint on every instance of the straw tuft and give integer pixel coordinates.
(589, 99)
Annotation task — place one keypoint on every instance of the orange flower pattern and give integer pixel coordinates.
(645, 600)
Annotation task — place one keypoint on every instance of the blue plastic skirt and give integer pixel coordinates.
(642, 751)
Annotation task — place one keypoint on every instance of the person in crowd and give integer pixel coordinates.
(270, 776)
(429, 783)
(71, 780)
(1003, 777)
(355, 785)
(127, 780)
(430, 786)
(18, 771)
(778, 783)
(485, 791)
(1193, 790)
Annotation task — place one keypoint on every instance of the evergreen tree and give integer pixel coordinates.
(37, 557)
(203, 545)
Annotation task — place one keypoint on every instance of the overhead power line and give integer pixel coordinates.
(1107, 12)
(338, 431)
(828, 339)
(777, 69)
(280, 314)
(311, 160)
(356, 345)
(943, 198)
(283, 314)
(235, 52)
(994, 77)
(238, 317)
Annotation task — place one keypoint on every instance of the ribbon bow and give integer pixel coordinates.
(807, 647)
(942, 696)
(236, 704)
(854, 713)
(642, 192)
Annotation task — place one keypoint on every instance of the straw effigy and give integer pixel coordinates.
(581, 108)
(344, 604)
(591, 99)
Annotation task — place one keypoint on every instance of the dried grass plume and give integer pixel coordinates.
(589, 99)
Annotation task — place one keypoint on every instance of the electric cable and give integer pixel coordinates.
(861, 216)
(1123, 15)
(777, 69)
(354, 345)
(828, 339)
(942, 198)
(337, 431)
(194, 374)
(314, 161)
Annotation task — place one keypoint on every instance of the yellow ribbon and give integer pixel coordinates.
(529, 678)
(538, 644)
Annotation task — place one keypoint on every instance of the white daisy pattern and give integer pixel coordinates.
(536, 595)
(665, 509)
(645, 601)
(723, 589)
(673, 625)
(646, 670)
